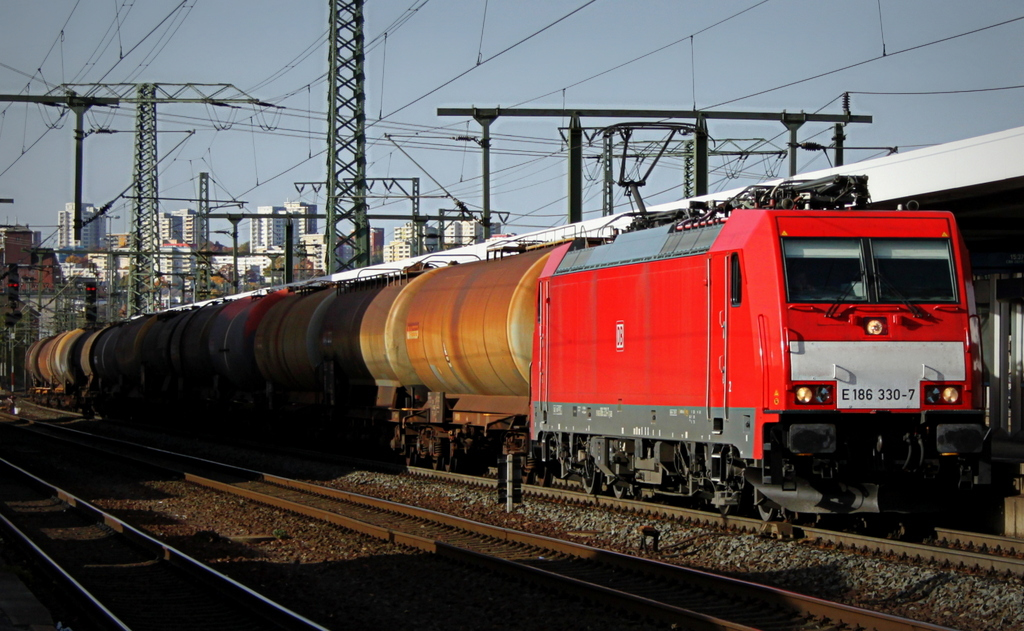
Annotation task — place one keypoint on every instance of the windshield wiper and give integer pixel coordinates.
(914, 309)
(842, 297)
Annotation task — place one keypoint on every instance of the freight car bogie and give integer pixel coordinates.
(463, 448)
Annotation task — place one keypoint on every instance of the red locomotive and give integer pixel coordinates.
(829, 359)
(785, 348)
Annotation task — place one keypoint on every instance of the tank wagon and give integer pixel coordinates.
(788, 349)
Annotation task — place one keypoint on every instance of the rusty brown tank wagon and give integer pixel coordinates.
(55, 365)
(435, 357)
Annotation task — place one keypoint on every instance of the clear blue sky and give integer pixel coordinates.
(795, 55)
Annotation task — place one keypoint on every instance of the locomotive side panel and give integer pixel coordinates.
(639, 349)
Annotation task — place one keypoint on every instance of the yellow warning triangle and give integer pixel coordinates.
(785, 234)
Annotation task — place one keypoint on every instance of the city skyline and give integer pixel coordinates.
(926, 71)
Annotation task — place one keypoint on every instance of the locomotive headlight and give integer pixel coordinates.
(814, 394)
(942, 395)
(874, 326)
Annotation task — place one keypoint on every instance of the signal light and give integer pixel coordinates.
(11, 318)
(13, 284)
(90, 302)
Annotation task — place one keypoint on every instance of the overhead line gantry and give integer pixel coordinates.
(145, 232)
(792, 120)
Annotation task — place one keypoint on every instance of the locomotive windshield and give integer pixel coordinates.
(868, 270)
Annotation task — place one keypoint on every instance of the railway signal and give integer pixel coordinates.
(90, 302)
(13, 285)
(11, 319)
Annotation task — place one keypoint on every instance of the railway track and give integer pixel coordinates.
(971, 551)
(121, 577)
(950, 548)
(652, 589)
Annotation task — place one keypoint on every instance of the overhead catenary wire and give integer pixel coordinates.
(437, 144)
(145, 37)
(113, 29)
(871, 60)
(491, 58)
(881, 26)
(645, 55)
(940, 92)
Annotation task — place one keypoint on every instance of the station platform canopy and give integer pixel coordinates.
(980, 179)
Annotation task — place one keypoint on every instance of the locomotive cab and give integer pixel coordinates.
(880, 367)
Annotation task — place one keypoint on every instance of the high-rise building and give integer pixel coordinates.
(303, 225)
(93, 233)
(178, 226)
(397, 251)
(117, 240)
(463, 232)
(312, 250)
(376, 245)
(267, 234)
(404, 244)
(16, 244)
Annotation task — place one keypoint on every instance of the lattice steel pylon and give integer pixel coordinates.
(203, 262)
(145, 229)
(145, 233)
(346, 139)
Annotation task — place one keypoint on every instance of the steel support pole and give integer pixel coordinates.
(608, 207)
(201, 289)
(700, 156)
(793, 125)
(289, 251)
(839, 138)
(346, 141)
(485, 147)
(145, 225)
(79, 111)
(234, 251)
(575, 170)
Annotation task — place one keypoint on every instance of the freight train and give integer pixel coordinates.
(787, 349)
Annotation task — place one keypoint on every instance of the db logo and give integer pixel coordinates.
(620, 335)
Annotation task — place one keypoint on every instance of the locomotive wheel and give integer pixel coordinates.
(591, 478)
(769, 512)
(415, 459)
(540, 475)
(623, 490)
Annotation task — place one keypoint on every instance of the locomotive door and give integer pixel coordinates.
(718, 288)
(542, 380)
